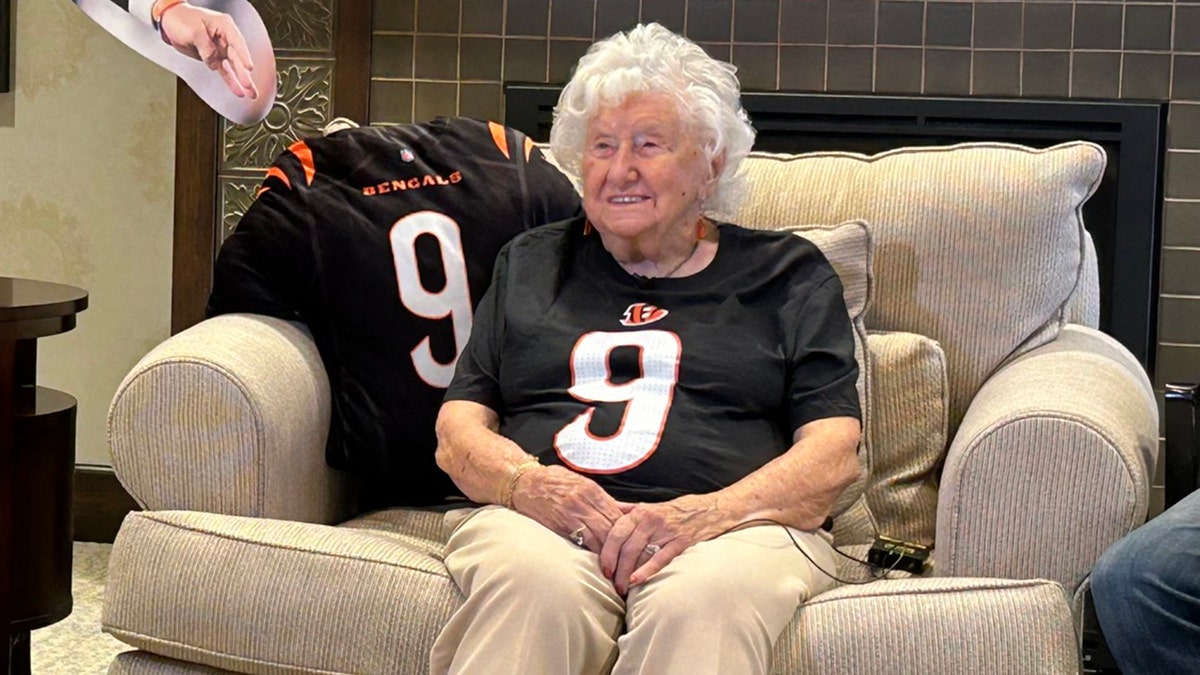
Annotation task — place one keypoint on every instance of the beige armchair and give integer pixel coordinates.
(1001, 427)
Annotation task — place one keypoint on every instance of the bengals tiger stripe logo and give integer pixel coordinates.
(641, 313)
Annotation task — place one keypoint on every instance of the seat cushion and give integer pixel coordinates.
(265, 596)
(978, 246)
(201, 593)
(932, 625)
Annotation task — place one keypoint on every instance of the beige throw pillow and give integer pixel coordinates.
(907, 436)
(978, 246)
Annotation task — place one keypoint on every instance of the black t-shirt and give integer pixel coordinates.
(660, 387)
(382, 240)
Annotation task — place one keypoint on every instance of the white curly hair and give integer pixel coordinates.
(652, 59)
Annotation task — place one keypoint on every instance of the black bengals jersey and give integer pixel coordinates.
(382, 240)
(658, 388)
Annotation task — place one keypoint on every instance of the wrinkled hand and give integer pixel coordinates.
(562, 500)
(673, 526)
(214, 38)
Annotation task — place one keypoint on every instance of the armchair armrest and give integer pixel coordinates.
(230, 416)
(1051, 463)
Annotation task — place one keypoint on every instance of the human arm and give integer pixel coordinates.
(490, 468)
(797, 489)
(208, 36)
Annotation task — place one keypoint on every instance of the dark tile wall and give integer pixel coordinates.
(439, 57)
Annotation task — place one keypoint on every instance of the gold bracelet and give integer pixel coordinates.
(506, 496)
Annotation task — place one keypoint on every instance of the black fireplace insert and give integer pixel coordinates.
(1123, 216)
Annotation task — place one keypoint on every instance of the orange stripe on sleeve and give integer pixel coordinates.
(500, 138)
(528, 147)
(278, 173)
(302, 152)
(261, 191)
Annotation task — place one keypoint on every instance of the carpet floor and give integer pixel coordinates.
(75, 645)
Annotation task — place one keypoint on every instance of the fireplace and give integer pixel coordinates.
(1123, 216)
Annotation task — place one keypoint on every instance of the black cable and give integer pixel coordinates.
(882, 571)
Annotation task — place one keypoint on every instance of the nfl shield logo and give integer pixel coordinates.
(406, 155)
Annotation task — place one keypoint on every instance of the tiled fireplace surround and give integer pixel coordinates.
(438, 57)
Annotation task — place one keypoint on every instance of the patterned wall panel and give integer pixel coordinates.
(236, 196)
(299, 25)
(302, 108)
(302, 36)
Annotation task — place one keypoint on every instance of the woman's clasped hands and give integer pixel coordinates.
(634, 540)
(648, 536)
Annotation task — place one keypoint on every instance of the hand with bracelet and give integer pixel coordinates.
(563, 501)
(568, 503)
(208, 36)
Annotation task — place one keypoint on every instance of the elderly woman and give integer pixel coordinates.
(658, 410)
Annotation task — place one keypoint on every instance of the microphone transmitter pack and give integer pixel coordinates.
(893, 554)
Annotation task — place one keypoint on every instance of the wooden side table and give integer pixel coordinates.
(37, 461)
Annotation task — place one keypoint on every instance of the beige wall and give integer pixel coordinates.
(86, 178)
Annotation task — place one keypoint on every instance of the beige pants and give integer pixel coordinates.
(537, 604)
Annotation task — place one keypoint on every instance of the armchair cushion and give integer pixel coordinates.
(372, 600)
(258, 595)
(908, 441)
(933, 626)
(929, 209)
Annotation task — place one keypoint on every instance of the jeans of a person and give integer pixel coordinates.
(1146, 589)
